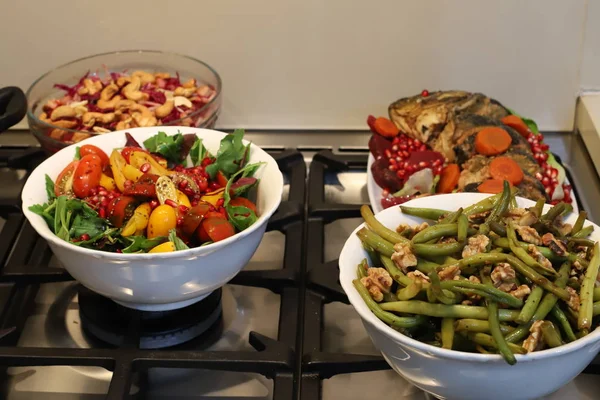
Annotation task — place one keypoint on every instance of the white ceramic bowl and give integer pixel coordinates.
(456, 375)
(160, 281)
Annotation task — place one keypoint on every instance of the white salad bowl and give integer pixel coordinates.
(456, 375)
(159, 281)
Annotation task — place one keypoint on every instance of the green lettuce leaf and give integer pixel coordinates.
(179, 245)
(198, 152)
(230, 155)
(167, 146)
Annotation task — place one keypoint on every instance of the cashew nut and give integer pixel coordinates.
(44, 117)
(57, 134)
(145, 77)
(165, 109)
(92, 87)
(105, 104)
(91, 118)
(122, 81)
(182, 101)
(162, 75)
(125, 124)
(63, 112)
(132, 90)
(190, 83)
(99, 129)
(109, 91)
(79, 136)
(82, 91)
(203, 90)
(123, 104)
(142, 115)
(181, 91)
(64, 123)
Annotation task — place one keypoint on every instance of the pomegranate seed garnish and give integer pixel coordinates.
(425, 93)
(194, 203)
(179, 221)
(102, 212)
(530, 139)
(104, 202)
(394, 148)
(128, 183)
(385, 193)
(119, 251)
(93, 191)
(423, 147)
(545, 181)
(400, 174)
(393, 161)
(84, 237)
(402, 147)
(405, 154)
(171, 203)
(399, 159)
(220, 202)
(540, 137)
(153, 204)
(388, 153)
(183, 184)
(145, 167)
(538, 176)
(410, 169)
(423, 164)
(392, 167)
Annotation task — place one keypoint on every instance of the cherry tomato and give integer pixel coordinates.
(193, 217)
(87, 175)
(120, 209)
(218, 229)
(243, 202)
(221, 180)
(162, 220)
(215, 214)
(145, 186)
(64, 183)
(91, 149)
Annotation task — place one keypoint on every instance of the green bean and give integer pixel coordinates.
(378, 228)
(447, 333)
(435, 232)
(502, 205)
(482, 349)
(554, 212)
(387, 317)
(476, 325)
(394, 271)
(410, 291)
(536, 278)
(431, 297)
(533, 300)
(489, 291)
(388, 297)
(372, 256)
(452, 217)
(548, 301)
(596, 308)
(584, 232)
(463, 228)
(425, 213)
(376, 242)
(538, 208)
(361, 271)
(437, 289)
(582, 242)
(545, 251)
(579, 223)
(523, 255)
(482, 206)
(442, 249)
(551, 335)
(497, 228)
(597, 294)
(488, 341)
(562, 319)
(446, 311)
(426, 266)
(497, 250)
(586, 294)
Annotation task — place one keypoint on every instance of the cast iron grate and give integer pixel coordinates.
(322, 283)
(24, 257)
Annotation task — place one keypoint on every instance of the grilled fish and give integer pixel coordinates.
(425, 118)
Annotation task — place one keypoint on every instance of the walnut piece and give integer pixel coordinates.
(447, 240)
(402, 227)
(535, 253)
(561, 227)
(529, 235)
(472, 298)
(522, 217)
(573, 302)
(378, 281)
(521, 292)
(403, 257)
(479, 218)
(418, 275)
(555, 245)
(449, 273)
(503, 276)
(475, 245)
(534, 342)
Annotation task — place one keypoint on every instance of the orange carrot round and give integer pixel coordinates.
(492, 140)
(385, 127)
(448, 179)
(517, 124)
(491, 186)
(505, 168)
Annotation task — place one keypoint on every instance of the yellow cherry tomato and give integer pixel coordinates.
(132, 173)
(107, 182)
(183, 200)
(138, 221)
(213, 197)
(162, 220)
(166, 247)
(139, 158)
(117, 163)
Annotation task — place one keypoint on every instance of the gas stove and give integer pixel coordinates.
(281, 329)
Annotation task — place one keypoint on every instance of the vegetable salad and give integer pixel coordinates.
(169, 195)
(489, 278)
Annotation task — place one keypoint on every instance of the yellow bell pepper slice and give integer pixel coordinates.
(213, 197)
(107, 182)
(138, 221)
(117, 164)
(132, 173)
(166, 247)
(183, 200)
(139, 158)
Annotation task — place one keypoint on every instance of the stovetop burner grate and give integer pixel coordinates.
(25, 257)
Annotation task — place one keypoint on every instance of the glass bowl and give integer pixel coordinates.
(55, 131)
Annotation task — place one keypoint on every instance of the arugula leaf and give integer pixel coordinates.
(167, 146)
(50, 189)
(245, 172)
(83, 223)
(141, 244)
(77, 154)
(198, 152)
(241, 217)
(46, 211)
(107, 237)
(179, 245)
(230, 155)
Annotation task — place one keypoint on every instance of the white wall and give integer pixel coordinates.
(323, 63)
(590, 69)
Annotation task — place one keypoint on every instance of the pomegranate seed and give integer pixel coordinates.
(538, 176)
(393, 161)
(95, 199)
(392, 167)
(104, 202)
(183, 184)
(423, 164)
(417, 142)
(153, 204)
(84, 237)
(128, 183)
(394, 148)
(530, 139)
(544, 147)
(425, 93)
(438, 170)
(385, 193)
(388, 153)
(548, 190)
(399, 159)
(194, 203)
(119, 251)
(405, 154)
(540, 137)
(171, 203)
(396, 140)
(403, 146)
(220, 202)
(400, 174)
(145, 167)
(410, 169)
(93, 191)
(544, 156)
(179, 221)
(102, 212)
(554, 173)
(423, 147)
(183, 209)
(545, 181)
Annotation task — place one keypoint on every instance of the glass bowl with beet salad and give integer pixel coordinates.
(121, 90)
(171, 194)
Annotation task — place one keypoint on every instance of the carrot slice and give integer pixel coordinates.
(492, 140)
(517, 124)
(491, 186)
(505, 168)
(385, 127)
(448, 179)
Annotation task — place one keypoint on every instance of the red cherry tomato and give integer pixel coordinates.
(91, 149)
(221, 180)
(64, 183)
(120, 209)
(243, 202)
(218, 229)
(87, 175)
(193, 218)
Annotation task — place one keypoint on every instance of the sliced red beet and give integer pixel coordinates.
(131, 142)
(428, 156)
(378, 145)
(385, 178)
(391, 201)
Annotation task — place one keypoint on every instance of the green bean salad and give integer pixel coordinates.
(490, 278)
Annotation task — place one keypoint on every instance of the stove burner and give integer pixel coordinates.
(108, 321)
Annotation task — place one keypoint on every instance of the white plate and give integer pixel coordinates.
(375, 191)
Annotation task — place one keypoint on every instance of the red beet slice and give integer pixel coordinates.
(385, 178)
(378, 145)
